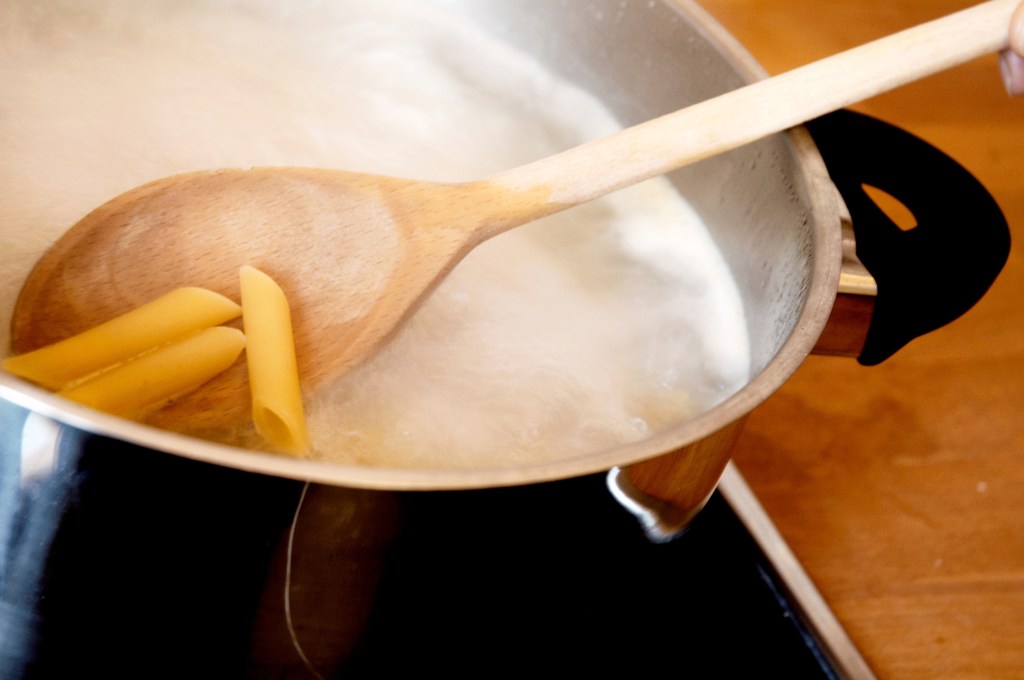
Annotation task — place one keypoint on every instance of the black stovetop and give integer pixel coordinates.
(559, 578)
(129, 563)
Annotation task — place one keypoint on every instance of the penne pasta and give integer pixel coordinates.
(151, 380)
(277, 409)
(170, 317)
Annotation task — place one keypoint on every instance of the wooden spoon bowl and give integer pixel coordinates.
(341, 244)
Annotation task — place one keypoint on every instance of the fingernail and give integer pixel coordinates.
(1011, 66)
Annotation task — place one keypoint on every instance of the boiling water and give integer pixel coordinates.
(589, 329)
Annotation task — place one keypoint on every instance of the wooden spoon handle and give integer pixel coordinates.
(765, 107)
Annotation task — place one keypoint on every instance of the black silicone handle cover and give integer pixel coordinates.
(931, 274)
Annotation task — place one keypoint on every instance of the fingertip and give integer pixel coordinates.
(1017, 30)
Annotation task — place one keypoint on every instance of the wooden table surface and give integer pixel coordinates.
(901, 487)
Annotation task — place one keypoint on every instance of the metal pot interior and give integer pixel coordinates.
(769, 206)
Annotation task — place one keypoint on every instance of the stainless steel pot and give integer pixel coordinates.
(771, 207)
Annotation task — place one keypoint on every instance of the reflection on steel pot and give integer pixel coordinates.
(771, 209)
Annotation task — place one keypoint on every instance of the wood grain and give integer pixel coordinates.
(901, 487)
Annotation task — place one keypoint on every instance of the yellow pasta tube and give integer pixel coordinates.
(277, 410)
(172, 316)
(151, 380)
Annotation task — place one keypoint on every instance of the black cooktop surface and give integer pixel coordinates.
(559, 578)
(122, 562)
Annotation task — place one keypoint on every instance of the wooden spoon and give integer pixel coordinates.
(356, 253)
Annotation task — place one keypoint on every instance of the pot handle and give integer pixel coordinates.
(960, 228)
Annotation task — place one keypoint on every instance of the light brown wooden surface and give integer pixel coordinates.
(901, 487)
